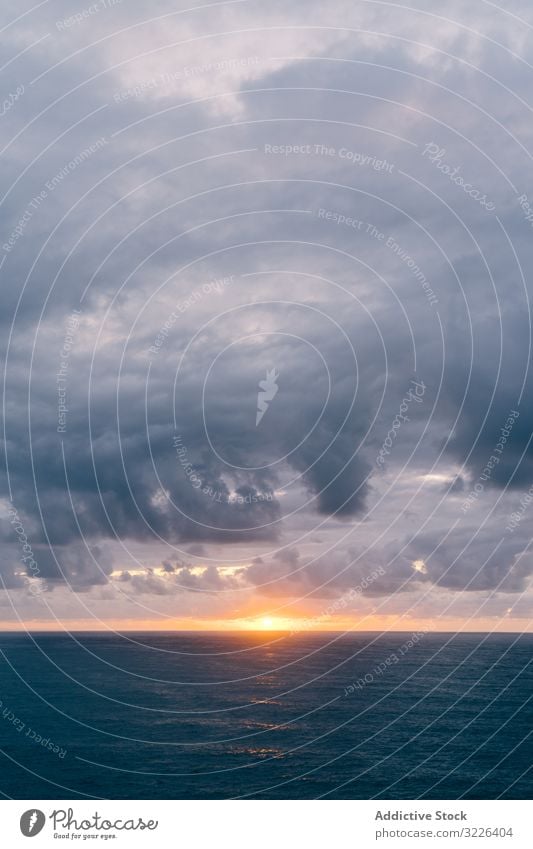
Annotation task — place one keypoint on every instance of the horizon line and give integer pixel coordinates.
(241, 631)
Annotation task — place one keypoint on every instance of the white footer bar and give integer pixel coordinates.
(267, 824)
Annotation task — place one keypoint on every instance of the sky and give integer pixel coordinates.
(266, 332)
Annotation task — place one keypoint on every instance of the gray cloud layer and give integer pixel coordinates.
(296, 224)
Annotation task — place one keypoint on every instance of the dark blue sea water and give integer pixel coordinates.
(211, 716)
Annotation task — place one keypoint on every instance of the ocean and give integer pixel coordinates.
(265, 716)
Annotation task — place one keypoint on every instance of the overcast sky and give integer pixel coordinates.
(265, 314)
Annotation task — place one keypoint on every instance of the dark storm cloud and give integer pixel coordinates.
(456, 561)
(493, 435)
(125, 478)
(11, 568)
(370, 573)
(463, 561)
(77, 565)
(455, 486)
